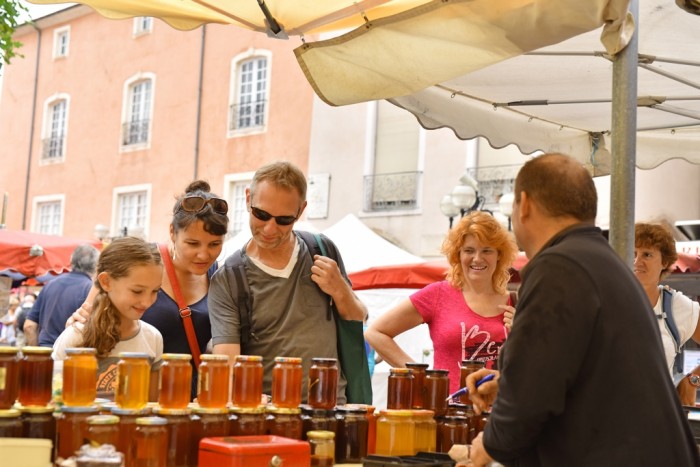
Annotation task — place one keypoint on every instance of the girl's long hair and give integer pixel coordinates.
(102, 330)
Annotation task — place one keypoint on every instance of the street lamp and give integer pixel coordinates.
(505, 205)
(463, 199)
(448, 208)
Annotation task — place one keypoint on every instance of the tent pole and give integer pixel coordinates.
(624, 145)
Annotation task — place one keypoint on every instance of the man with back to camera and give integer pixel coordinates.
(60, 297)
(290, 307)
(583, 380)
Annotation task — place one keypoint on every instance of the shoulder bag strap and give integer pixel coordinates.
(185, 312)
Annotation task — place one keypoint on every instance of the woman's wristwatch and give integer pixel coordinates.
(694, 379)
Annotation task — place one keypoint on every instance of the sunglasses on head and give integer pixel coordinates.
(196, 203)
(266, 216)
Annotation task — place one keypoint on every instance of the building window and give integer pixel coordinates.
(48, 217)
(396, 179)
(238, 212)
(136, 128)
(54, 141)
(61, 40)
(142, 25)
(132, 212)
(249, 104)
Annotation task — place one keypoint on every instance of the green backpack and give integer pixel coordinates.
(352, 353)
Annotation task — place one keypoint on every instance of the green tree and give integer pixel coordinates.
(10, 11)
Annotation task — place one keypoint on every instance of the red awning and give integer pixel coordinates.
(32, 254)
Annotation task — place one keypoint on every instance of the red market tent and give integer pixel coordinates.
(26, 254)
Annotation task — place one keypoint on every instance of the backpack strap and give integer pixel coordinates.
(667, 313)
(316, 244)
(245, 301)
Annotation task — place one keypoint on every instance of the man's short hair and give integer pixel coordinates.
(84, 259)
(560, 185)
(282, 174)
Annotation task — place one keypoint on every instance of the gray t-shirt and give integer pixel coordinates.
(291, 317)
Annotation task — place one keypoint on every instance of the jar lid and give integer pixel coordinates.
(401, 371)
(133, 355)
(295, 360)
(80, 409)
(177, 356)
(473, 362)
(283, 410)
(102, 420)
(396, 413)
(151, 421)
(162, 411)
(121, 412)
(37, 350)
(437, 372)
(424, 413)
(417, 365)
(351, 409)
(364, 407)
(9, 413)
(36, 409)
(248, 410)
(248, 358)
(308, 410)
(320, 434)
(6, 349)
(81, 351)
(214, 357)
(325, 360)
(205, 410)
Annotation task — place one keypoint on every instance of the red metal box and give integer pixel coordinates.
(253, 451)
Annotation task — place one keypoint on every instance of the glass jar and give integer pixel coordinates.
(102, 429)
(9, 376)
(35, 376)
(282, 421)
(371, 425)
(150, 443)
(175, 381)
(426, 430)
(247, 381)
(247, 421)
(179, 433)
(10, 423)
(395, 433)
(323, 383)
(80, 376)
(213, 382)
(286, 382)
(127, 430)
(317, 420)
(465, 410)
(437, 390)
(418, 391)
(451, 430)
(351, 434)
(399, 389)
(133, 379)
(38, 422)
(71, 429)
(322, 448)
(466, 368)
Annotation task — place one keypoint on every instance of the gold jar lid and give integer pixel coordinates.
(396, 413)
(177, 356)
(174, 412)
(7, 349)
(320, 434)
(212, 411)
(401, 371)
(248, 410)
(283, 410)
(423, 413)
(213, 357)
(81, 351)
(249, 358)
(36, 409)
(10, 413)
(102, 420)
(32, 350)
(125, 412)
(153, 421)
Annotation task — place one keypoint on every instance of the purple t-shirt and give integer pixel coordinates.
(457, 332)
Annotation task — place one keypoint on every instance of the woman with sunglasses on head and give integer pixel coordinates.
(197, 232)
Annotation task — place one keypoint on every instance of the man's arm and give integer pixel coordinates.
(31, 331)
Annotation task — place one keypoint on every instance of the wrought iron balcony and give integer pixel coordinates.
(52, 148)
(493, 181)
(135, 132)
(392, 192)
(248, 115)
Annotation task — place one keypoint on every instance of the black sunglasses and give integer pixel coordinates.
(196, 203)
(266, 216)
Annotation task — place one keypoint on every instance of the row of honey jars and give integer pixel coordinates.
(405, 432)
(27, 380)
(416, 387)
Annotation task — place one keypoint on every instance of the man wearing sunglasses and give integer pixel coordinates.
(289, 290)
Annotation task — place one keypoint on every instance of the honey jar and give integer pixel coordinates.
(437, 390)
(35, 376)
(213, 382)
(127, 431)
(150, 443)
(322, 448)
(38, 422)
(247, 421)
(395, 433)
(351, 434)
(426, 430)
(80, 376)
(179, 434)
(9, 376)
(71, 429)
(399, 389)
(247, 381)
(133, 379)
(175, 381)
(323, 383)
(282, 421)
(286, 382)
(317, 420)
(10, 423)
(102, 429)
(466, 368)
(418, 388)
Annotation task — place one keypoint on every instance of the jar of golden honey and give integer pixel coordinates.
(247, 381)
(9, 376)
(351, 434)
(10, 423)
(426, 430)
(71, 429)
(437, 390)
(102, 429)
(322, 448)
(399, 389)
(286, 382)
(247, 421)
(213, 381)
(282, 421)
(80, 376)
(323, 383)
(35, 376)
(150, 443)
(179, 434)
(451, 430)
(133, 379)
(127, 431)
(175, 381)
(418, 387)
(395, 433)
(466, 368)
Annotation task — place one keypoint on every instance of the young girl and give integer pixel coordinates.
(129, 275)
